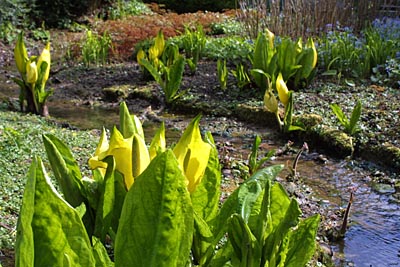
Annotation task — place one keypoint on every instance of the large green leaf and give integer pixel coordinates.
(302, 242)
(59, 236)
(284, 215)
(65, 169)
(24, 245)
(243, 199)
(156, 224)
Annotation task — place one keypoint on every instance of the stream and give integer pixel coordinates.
(373, 236)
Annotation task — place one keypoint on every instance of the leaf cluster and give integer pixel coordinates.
(157, 222)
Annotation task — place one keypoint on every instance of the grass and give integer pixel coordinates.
(20, 140)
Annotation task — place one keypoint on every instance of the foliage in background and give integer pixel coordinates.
(62, 13)
(166, 65)
(34, 72)
(13, 15)
(96, 49)
(135, 29)
(195, 5)
(350, 125)
(345, 54)
(294, 60)
(193, 43)
(123, 8)
(232, 48)
(387, 74)
(222, 73)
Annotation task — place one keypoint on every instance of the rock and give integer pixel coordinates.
(116, 92)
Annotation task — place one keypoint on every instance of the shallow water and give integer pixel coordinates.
(373, 236)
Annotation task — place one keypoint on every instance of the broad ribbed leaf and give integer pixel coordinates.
(242, 200)
(302, 242)
(24, 245)
(59, 235)
(65, 169)
(284, 215)
(156, 224)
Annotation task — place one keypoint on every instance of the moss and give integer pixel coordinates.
(255, 115)
(384, 154)
(116, 92)
(308, 120)
(331, 140)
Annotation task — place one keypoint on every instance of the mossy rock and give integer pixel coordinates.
(117, 92)
(145, 92)
(308, 120)
(385, 154)
(331, 140)
(255, 114)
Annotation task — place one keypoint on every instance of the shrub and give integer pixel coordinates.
(195, 5)
(13, 15)
(61, 13)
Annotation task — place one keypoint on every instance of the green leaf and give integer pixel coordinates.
(206, 197)
(254, 154)
(241, 201)
(202, 241)
(120, 194)
(245, 245)
(156, 224)
(174, 79)
(152, 70)
(59, 236)
(105, 206)
(24, 245)
(65, 169)
(340, 115)
(284, 215)
(100, 254)
(128, 124)
(263, 218)
(302, 242)
(355, 117)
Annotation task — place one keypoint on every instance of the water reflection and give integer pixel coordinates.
(373, 238)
